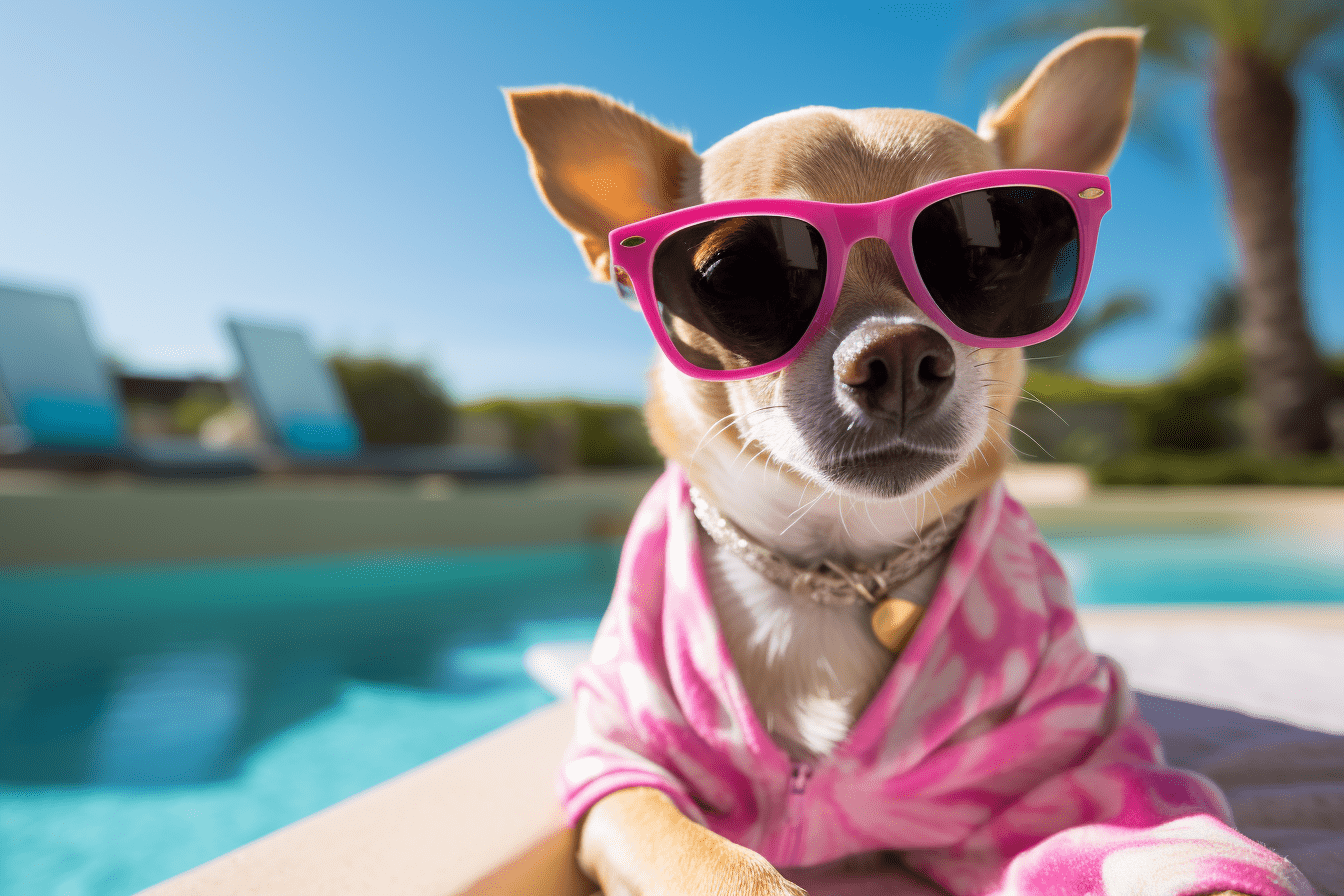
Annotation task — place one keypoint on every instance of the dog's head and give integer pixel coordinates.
(883, 404)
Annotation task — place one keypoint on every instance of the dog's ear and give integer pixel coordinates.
(599, 165)
(1073, 111)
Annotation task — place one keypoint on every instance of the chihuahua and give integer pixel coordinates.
(833, 634)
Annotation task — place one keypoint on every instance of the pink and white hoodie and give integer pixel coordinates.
(999, 756)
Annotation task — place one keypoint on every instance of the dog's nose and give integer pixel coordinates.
(897, 370)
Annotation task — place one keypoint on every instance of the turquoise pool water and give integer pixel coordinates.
(152, 718)
(1200, 569)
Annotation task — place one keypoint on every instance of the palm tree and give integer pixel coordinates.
(1061, 352)
(1248, 52)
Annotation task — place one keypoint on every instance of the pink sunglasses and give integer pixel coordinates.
(999, 258)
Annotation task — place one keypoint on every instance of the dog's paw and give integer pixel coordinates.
(743, 871)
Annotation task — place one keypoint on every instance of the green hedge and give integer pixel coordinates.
(603, 434)
(395, 402)
(1219, 468)
(190, 412)
(1189, 430)
(1201, 408)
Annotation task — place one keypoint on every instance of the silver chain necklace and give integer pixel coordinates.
(838, 585)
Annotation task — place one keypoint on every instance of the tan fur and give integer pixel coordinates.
(747, 445)
(598, 165)
(1044, 123)
(837, 156)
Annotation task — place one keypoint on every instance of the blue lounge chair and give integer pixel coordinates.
(64, 411)
(301, 409)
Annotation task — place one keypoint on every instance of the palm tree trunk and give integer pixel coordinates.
(1254, 119)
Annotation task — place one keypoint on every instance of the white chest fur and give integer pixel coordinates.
(808, 670)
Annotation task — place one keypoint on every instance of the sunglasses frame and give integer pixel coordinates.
(841, 225)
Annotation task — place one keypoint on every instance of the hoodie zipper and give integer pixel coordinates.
(800, 773)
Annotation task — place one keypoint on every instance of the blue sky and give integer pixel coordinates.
(351, 168)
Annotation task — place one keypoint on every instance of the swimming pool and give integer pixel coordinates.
(1202, 569)
(153, 717)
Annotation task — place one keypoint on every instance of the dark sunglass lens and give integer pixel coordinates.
(737, 292)
(1000, 262)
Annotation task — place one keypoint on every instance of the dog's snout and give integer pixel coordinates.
(896, 370)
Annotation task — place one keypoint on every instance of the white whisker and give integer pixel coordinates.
(1025, 433)
(840, 510)
(821, 495)
(1031, 397)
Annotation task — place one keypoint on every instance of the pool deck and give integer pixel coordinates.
(48, 519)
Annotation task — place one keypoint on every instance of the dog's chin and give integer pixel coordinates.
(894, 471)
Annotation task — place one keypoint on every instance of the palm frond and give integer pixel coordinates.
(1284, 32)
(1062, 351)
(1168, 39)
(1297, 31)
(1040, 26)
(1233, 23)
(1173, 30)
(1117, 307)
(1221, 312)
